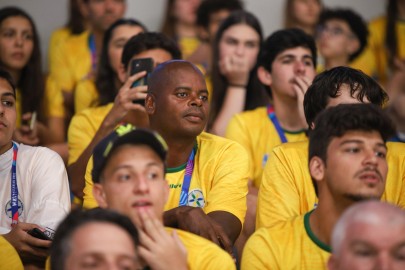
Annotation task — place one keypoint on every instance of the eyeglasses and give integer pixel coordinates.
(333, 31)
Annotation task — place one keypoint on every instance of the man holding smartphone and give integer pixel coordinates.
(34, 189)
(88, 127)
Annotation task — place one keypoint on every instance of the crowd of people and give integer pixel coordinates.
(205, 145)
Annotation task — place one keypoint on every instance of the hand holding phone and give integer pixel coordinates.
(138, 65)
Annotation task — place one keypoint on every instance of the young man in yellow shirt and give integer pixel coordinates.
(347, 163)
(129, 175)
(286, 189)
(287, 64)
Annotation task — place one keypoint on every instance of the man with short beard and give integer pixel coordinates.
(347, 163)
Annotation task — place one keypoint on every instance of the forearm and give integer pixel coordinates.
(229, 223)
(234, 103)
(170, 217)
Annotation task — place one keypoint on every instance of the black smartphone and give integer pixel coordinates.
(138, 65)
(37, 233)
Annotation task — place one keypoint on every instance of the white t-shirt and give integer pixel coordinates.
(43, 188)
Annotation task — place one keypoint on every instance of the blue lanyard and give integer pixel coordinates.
(14, 187)
(187, 179)
(92, 47)
(273, 118)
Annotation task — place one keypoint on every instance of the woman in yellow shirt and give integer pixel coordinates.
(20, 56)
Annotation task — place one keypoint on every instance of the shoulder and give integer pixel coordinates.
(92, 113)
(396, 149)
(292, 148)
(76, 43)
(36, 151)
(258, 113)
(35, 157)
(207, 141)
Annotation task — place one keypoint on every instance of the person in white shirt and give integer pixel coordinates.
(34, 188)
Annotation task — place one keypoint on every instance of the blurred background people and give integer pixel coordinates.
(341, 37)
(236, 87)
(179, 23)
(302, 14)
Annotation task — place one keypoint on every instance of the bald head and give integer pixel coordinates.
(164, 73)
(373, 228)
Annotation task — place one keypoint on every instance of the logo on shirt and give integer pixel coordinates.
(196, 198)
(8, 208)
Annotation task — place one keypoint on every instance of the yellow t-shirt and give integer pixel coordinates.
(257, 133)
(287, 190)
(58, 37)
(202, 253)
(82, 129)
(73, 62)
(218, 183)
(86, 95)
(9, 258)
(374, 60)
(188, 45)
(53, 100)
(288, 245)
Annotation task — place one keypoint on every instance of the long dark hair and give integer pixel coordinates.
(391, 32)
(255, 93)
(31, 83)
(169, 21)
(106, 76)
(76, 20)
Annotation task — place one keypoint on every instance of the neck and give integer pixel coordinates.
(325, 216)
(307, 29)
(6, 147)
(336, 62)
(185, 30)
(288, 114)
(179, 151)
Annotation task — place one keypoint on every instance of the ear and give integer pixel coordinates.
(122, 73)
(150, 104)
(264, 76)
(317, 168)
(99, 195)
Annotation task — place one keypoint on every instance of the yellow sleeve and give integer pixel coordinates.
(257, 254)
(79, 136)
(395, 185)
(9, 258)
(86, 95)
(236, 131)
(53, 99)
(229, 186)
(58, 37)
(88, 199)
(286, 189)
